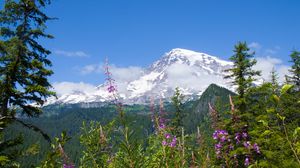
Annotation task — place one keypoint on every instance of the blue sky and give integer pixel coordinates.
(137, 32)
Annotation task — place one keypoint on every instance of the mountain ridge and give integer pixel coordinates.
(189, 70)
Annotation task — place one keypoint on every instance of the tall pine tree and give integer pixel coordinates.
(177, 121)
(242, 73)
(274, 80)
(23, 68)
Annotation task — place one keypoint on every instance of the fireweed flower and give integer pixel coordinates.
(174, 139)
(237, 138)
(111, 89)
(110, 82)
(161, 122)
(218, 153)
(247, 161)
(222, 138)
(244, 135)
(256, 148)
(173, 143)
(167, 136)
(168, 142)
(221, 135)
(218, 146)
(164, 143)
(67, 163)
(247, 144)
(162, 126)
(215, 135)
(161, 119)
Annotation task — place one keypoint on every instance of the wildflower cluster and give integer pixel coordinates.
(239, 137)
(161, 122)
(112, 87)
(225, 145)
(169, 140)
(228, 147)
(223, 140)
(242, 138)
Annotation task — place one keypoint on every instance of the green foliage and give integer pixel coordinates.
(272, 126)
(130, 153)
(96, 142)
(56, 157)
(166, 150)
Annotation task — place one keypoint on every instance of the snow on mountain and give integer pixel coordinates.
(191, 71)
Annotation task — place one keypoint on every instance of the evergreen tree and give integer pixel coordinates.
(274, 77)
(274, 80)
(23, 62)
(295, 70)
(23, 67)
(177, 120)
(242, 72)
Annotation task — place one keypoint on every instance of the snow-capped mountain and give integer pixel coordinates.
(191, 71)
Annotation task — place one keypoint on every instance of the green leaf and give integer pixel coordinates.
(297, 130)
(3, 159)
(270, 110)
(280, 117)
(265, 123)
(266, 132)
(285, 88)
(275, 98)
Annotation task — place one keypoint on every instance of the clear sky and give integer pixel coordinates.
(138, 32)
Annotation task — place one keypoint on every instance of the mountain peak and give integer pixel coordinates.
(195, 56)
(181, 52)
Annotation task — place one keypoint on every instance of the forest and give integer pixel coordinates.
(255, 126)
